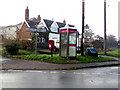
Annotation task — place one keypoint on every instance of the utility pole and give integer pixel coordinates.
(104, 27)
(82, 44)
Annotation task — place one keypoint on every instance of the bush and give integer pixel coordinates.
(12, 48)
(4, 53)
(27, 44)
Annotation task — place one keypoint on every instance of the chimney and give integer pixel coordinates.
(64, 21)
(27, 14)
(39, 18)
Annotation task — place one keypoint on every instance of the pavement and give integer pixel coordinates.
(19, 64)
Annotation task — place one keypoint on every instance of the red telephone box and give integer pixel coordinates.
(68, 42)
(51, 44)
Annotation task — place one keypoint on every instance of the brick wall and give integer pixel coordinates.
(23, 33)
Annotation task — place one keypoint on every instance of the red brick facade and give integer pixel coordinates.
(23, 34)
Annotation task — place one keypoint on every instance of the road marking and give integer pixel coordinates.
(54, 72)
(63, 72)
(79, 73)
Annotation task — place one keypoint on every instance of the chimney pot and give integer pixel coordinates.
(27, 14)
(64, 21)
(39, 18)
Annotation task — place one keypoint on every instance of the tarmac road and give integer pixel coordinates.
(104, 77)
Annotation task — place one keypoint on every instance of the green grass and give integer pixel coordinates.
(59, 60)
(25, 52)
(115, 53)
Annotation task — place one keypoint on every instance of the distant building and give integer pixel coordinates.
(9, 32)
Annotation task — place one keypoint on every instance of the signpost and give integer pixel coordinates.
(36, 31)
(33, 30)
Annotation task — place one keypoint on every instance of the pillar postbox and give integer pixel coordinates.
(68, 42)
(51, 44)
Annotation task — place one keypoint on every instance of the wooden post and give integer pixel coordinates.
(104, 27)
(51, 52)
(82, 44)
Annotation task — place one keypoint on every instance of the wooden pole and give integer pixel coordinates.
(104, 27)
(82, 44)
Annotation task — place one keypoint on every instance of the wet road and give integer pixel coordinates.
(106, 77)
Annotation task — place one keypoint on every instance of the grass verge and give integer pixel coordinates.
(59, 60)
(114, 53)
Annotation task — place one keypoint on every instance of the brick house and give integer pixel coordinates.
(22, 33)
(47, 29)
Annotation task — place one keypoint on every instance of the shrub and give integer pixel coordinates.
(12, 48)
(4, 53)
(27, 44)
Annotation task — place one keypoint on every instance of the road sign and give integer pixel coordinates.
(31, 29)
(35, 30)
(35, 34)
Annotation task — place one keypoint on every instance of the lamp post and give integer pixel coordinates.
(82, 44)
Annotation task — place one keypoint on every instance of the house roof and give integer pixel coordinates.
(60, 24)
(49, 23)
(33, 22)
(19, 25)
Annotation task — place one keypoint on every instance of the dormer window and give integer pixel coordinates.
(40, 25)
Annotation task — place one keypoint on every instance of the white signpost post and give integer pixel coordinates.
(34, 30)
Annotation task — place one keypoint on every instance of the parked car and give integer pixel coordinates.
(91, 52)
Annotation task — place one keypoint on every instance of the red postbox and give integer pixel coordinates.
(51, 44)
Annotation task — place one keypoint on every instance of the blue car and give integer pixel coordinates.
(91, 52)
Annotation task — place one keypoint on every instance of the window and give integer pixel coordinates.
(43, 40)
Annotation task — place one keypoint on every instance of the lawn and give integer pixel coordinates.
(25, 52)
(115, 53)
(59, 60)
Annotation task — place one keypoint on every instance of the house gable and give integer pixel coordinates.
(48, 24)
(23, 34)
(54, 27)
(42, 26)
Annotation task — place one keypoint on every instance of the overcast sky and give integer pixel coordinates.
(13, 12)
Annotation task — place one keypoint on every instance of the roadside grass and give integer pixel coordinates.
(114, 53)
(59, 60)
(25, 52)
